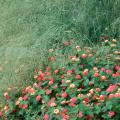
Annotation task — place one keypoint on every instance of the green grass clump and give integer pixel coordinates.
(29, 27)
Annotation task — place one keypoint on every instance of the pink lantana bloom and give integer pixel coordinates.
(64, 94)
(73, 100)
(80, 115)
(111, 88)
(46, 117)
(111, 114)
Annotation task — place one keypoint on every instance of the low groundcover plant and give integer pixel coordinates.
(85, 88)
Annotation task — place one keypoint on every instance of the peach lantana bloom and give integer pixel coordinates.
(56, 111)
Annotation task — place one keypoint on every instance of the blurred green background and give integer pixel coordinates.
(28, 28)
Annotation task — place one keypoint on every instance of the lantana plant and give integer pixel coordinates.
(87, 87)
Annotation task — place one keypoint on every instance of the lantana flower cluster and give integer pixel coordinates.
(83, 89)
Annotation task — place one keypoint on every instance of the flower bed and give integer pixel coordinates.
(87, 87)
